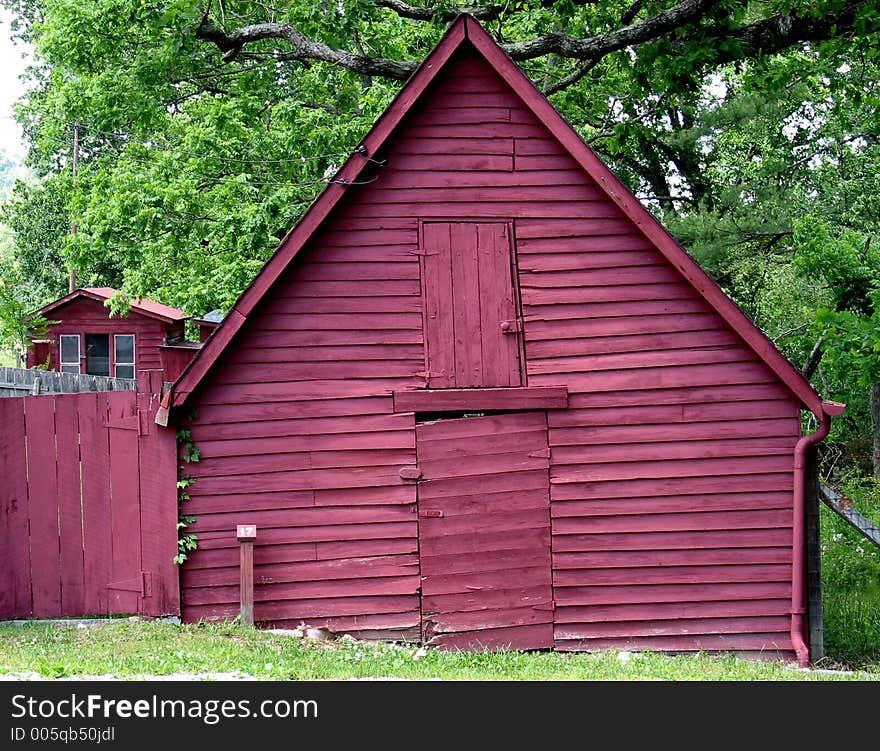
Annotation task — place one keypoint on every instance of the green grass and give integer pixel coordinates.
(851, 580)
(852, 628)
(131, 649)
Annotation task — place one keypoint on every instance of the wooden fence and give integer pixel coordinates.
(88, 505)
(24, 381)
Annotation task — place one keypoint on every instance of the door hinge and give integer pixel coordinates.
(142, 584)
(123, 422)
(511, 327)
(431, 514)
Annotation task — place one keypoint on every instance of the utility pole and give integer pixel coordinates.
(71, 284)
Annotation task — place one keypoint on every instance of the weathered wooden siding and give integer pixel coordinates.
(671, 472)
(86, 316)
(298, 436)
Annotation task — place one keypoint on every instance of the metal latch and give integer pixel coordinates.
(431, 513)
(511, 327)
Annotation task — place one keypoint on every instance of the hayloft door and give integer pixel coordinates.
(484, 532)
(472, 329)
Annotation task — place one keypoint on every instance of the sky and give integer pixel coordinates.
(12, 66)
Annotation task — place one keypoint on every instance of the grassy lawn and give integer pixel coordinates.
(129, 649)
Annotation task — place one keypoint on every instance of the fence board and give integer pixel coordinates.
(95, 452)
(87, 481)
(39, 418)
(125, 568)
(23, 381)
(7, 511)
(158, 483)
(69, 505)
(15, 598)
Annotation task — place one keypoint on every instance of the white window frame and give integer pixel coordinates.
(62, 363)
(131, 364)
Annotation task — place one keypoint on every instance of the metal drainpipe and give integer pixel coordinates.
(798, 583)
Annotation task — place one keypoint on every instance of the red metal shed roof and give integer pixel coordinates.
(145, 307)
(467, 31)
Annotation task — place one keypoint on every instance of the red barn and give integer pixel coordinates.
(480, 397)
(87, 339)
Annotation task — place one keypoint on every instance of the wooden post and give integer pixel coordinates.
(246, 534)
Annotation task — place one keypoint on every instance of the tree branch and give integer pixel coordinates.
(767, 35)
(814, 358)
(417, 13)
(630, 13)
(781, 31)
(572, 78)
(596, 47)
(304, 48)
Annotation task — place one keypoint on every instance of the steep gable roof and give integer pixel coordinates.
(466, 31)
(149, 308)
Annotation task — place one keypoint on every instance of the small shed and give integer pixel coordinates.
(479, 397)
(87, 339)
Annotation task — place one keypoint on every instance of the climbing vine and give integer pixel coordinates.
(186, 541)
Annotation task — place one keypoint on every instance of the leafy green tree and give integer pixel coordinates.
(207, 126)
(18, 324)
(7, 176)
(37, 214)
(847, 265)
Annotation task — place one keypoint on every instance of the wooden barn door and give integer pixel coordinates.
(484, 532)
(472, 328)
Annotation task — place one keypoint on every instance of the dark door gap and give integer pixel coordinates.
(98, 354)
(457, 415)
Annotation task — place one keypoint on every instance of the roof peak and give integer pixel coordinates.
(466, 29)
(144, 306)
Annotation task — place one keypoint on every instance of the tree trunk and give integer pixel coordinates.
(875, 426)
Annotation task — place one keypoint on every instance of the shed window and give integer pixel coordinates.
(98, 354)
(123, 355)
(70, 353)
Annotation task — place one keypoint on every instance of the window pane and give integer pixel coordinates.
(70, 368)
(70, 350)
(98, 354)
(124, 349)
(125, 371)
